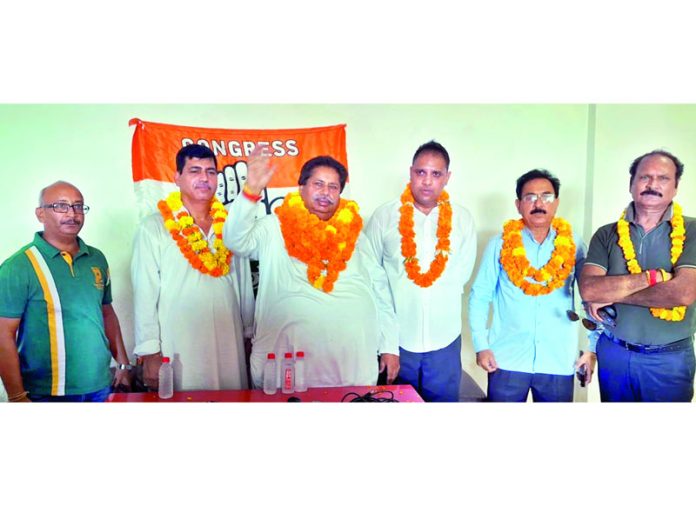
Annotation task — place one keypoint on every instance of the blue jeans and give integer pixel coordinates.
(629, 376)
(434, 374)
(514, 386)
(98, 396)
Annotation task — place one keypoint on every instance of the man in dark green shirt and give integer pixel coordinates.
(58, 330)
(645, 265)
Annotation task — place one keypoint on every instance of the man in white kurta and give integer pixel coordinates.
(341, 332)
(430, 317)
(191, 317)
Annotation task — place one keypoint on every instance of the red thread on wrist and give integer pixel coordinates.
(251, 196)
(653, 277)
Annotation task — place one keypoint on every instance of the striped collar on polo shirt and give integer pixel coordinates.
(51, 251)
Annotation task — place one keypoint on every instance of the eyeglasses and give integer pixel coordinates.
(62, 207)
(531, 198)
(606, 313)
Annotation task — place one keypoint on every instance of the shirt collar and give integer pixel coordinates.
(551, 236)
(631, 213)
(51, 251)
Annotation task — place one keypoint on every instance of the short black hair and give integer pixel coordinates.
(538, 174)
(432, 147)
(657, 152)
(323, 161)
(193, 151)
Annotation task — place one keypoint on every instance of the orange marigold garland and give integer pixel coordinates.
(408, 243)
(551, 276)
(678, 236)
(325, 246)
(190, 239)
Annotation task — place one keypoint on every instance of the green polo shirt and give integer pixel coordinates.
(62, 347)
(635, 324)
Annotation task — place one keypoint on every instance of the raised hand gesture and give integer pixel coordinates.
(259, 169)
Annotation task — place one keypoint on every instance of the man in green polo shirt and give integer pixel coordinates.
(646, 264)
(58, 330)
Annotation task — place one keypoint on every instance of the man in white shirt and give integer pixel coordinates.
(428, 248)
(190, 293)
(320, 289)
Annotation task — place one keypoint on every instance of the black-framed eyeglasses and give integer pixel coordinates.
(62, 207)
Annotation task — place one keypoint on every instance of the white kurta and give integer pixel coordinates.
(341, 332)
(429, 318)
(193, 318)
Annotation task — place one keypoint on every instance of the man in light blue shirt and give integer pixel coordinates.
(527, 273)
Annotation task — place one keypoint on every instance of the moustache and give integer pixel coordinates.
(323, 200)
(71, 222)
(202, 186)
(650, 191)
(537, 211)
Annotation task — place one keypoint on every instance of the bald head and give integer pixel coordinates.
(58, 185)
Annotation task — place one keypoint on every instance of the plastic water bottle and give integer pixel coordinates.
(269, 375)
(288, 374)
(166, 379)
(300, 381)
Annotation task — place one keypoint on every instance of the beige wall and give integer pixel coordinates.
(589, 148)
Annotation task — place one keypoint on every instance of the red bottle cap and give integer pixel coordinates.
(288, 355)
(270, 356)
(165, 360)
(300, 354)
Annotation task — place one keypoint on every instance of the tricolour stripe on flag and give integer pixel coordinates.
(55, 320)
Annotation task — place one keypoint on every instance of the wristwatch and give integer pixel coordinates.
(126, 367)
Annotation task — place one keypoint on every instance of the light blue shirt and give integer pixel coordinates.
(528, 334)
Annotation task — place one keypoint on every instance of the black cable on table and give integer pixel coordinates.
(370, 397)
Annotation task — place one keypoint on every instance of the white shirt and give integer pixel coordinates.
(429, 318)
(341, 332)
(193, 318)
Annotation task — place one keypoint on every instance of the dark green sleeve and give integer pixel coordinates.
(14, 288)
(598, 252)
(104, 266)
(688, 256)
(107, 285)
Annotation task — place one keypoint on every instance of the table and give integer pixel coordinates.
(402, 393)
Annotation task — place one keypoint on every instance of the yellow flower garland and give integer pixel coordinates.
(678, 236)
(325, 246)
(190, 239)
(513, 258)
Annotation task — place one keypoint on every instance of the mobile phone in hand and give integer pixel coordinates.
(581, 374)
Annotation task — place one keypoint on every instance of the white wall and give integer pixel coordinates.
(588, 148)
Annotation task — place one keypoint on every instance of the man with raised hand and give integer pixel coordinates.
(320, 288)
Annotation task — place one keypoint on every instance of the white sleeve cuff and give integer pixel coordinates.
(148, 347)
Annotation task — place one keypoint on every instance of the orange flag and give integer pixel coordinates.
(155, 146)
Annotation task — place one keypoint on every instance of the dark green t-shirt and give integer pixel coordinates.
(62, 347)
(635, 324)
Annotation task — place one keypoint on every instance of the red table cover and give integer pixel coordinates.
(402, 393)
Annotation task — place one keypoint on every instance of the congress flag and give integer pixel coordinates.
(155, 146)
